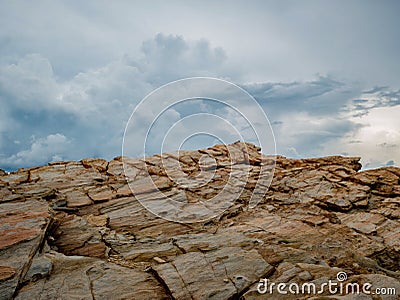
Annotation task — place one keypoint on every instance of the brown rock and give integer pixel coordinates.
(189, 274)
(100, 220)
(75, 236)
(6, 273)
(88, 278)
(22, 230)
(80, 230)
(97, 163)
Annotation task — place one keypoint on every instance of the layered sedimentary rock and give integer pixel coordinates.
(75, 230)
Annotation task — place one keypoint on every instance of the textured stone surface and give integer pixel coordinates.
(217, 274)
(78, 277)
(74, 230)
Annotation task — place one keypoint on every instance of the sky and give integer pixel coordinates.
(325, 73)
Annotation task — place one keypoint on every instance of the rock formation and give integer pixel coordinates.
(73, 230)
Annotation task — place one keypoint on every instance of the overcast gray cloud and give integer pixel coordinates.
(91, 109)
(325, 72)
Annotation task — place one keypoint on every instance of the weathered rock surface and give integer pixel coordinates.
(74, 230)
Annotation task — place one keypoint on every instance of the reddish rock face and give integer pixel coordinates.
(76, 229)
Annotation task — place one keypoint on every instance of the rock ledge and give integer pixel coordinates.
(73, 230)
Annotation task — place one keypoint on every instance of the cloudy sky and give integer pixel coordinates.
(326, 73)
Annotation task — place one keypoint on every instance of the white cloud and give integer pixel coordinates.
(92, 107)
(29, 83)
(327, 117)
(377, 139)
(171, 57)
(310, 118)
(302, 134)
(41, 151)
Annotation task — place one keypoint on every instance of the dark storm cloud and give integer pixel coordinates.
(311, 96)
(374, 98)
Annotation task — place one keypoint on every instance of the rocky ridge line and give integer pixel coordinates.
(73, 230)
